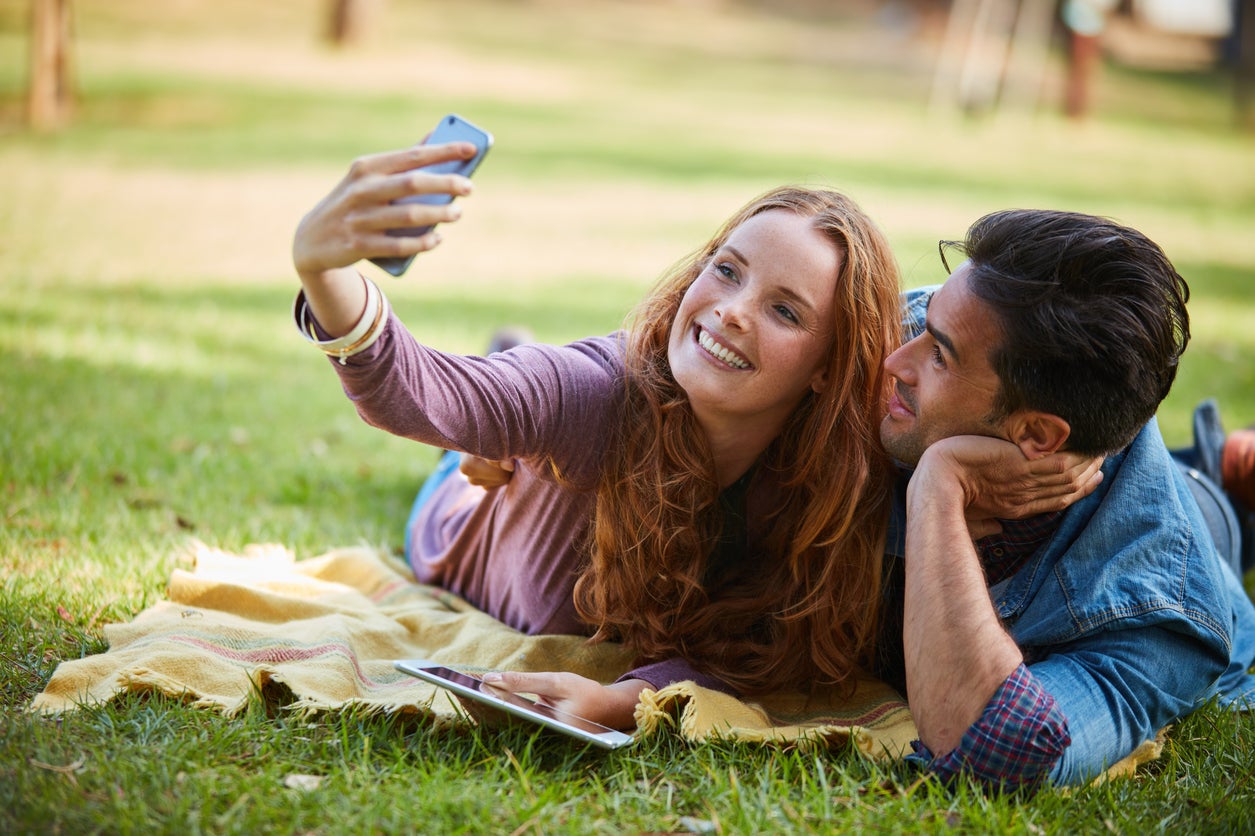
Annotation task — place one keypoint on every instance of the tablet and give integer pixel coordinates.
(473, 688)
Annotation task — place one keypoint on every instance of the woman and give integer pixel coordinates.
(706, 486)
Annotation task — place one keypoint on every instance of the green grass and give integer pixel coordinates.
(152, 389)
(385, 774)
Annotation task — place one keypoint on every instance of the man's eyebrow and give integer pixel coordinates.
(939, 336)
(943, 340)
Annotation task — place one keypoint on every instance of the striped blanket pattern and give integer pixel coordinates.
(321, 634)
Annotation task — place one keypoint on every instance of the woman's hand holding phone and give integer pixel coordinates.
(353, 221)
(385, 209)
(450, 129)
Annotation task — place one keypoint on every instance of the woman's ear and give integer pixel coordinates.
(819, 381)
(1037, 434)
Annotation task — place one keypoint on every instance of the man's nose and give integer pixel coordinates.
(898, 364)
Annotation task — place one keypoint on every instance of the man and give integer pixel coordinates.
(1055, 645)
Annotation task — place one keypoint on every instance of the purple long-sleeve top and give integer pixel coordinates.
(514, 551)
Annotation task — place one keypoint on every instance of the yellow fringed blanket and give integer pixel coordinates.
(322, 634)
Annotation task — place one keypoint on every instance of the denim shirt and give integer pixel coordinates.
(1127, 616)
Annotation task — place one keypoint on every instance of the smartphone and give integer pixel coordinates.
(452, 128)
(470, 687)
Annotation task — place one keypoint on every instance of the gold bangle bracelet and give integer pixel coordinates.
(364, 342)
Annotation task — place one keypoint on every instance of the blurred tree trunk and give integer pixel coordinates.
(49, 98)
(350, 21)
(1084, 55)
(1244, 79)
(1085, 21)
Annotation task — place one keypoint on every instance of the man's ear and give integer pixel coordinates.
(1037, 434)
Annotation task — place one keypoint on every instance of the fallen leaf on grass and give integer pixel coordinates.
(305, 783)
(67, 770)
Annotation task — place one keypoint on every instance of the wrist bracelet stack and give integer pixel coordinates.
(364, 333)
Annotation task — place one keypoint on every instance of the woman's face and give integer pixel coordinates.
(753, 332)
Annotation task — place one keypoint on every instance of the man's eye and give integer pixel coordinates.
(937, 357)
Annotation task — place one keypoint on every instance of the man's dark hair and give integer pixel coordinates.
(1092, 315)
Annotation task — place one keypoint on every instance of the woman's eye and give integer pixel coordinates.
(726, 271)
(787, 313)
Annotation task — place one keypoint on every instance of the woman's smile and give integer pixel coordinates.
(720, 351)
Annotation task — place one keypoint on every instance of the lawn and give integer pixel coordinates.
(153, 391)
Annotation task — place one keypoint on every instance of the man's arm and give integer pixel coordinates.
(957, 653)
(979, 709)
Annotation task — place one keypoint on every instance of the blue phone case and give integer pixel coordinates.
(452, 128)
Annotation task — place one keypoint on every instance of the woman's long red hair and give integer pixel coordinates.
(807, 610)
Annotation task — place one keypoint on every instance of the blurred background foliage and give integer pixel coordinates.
(145, 230)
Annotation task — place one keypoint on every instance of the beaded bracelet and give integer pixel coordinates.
(361, 337)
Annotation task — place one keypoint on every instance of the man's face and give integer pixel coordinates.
(944, 384)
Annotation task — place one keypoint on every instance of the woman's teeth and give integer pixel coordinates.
(726, 355)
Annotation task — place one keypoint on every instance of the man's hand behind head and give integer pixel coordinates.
(998, 482)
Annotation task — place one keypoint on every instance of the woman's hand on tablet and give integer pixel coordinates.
(610, 705)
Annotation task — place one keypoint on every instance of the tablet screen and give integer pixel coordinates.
(519, 706)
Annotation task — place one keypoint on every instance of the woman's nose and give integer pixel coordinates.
(732, 312)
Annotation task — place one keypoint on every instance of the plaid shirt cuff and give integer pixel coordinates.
(1016, 741)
